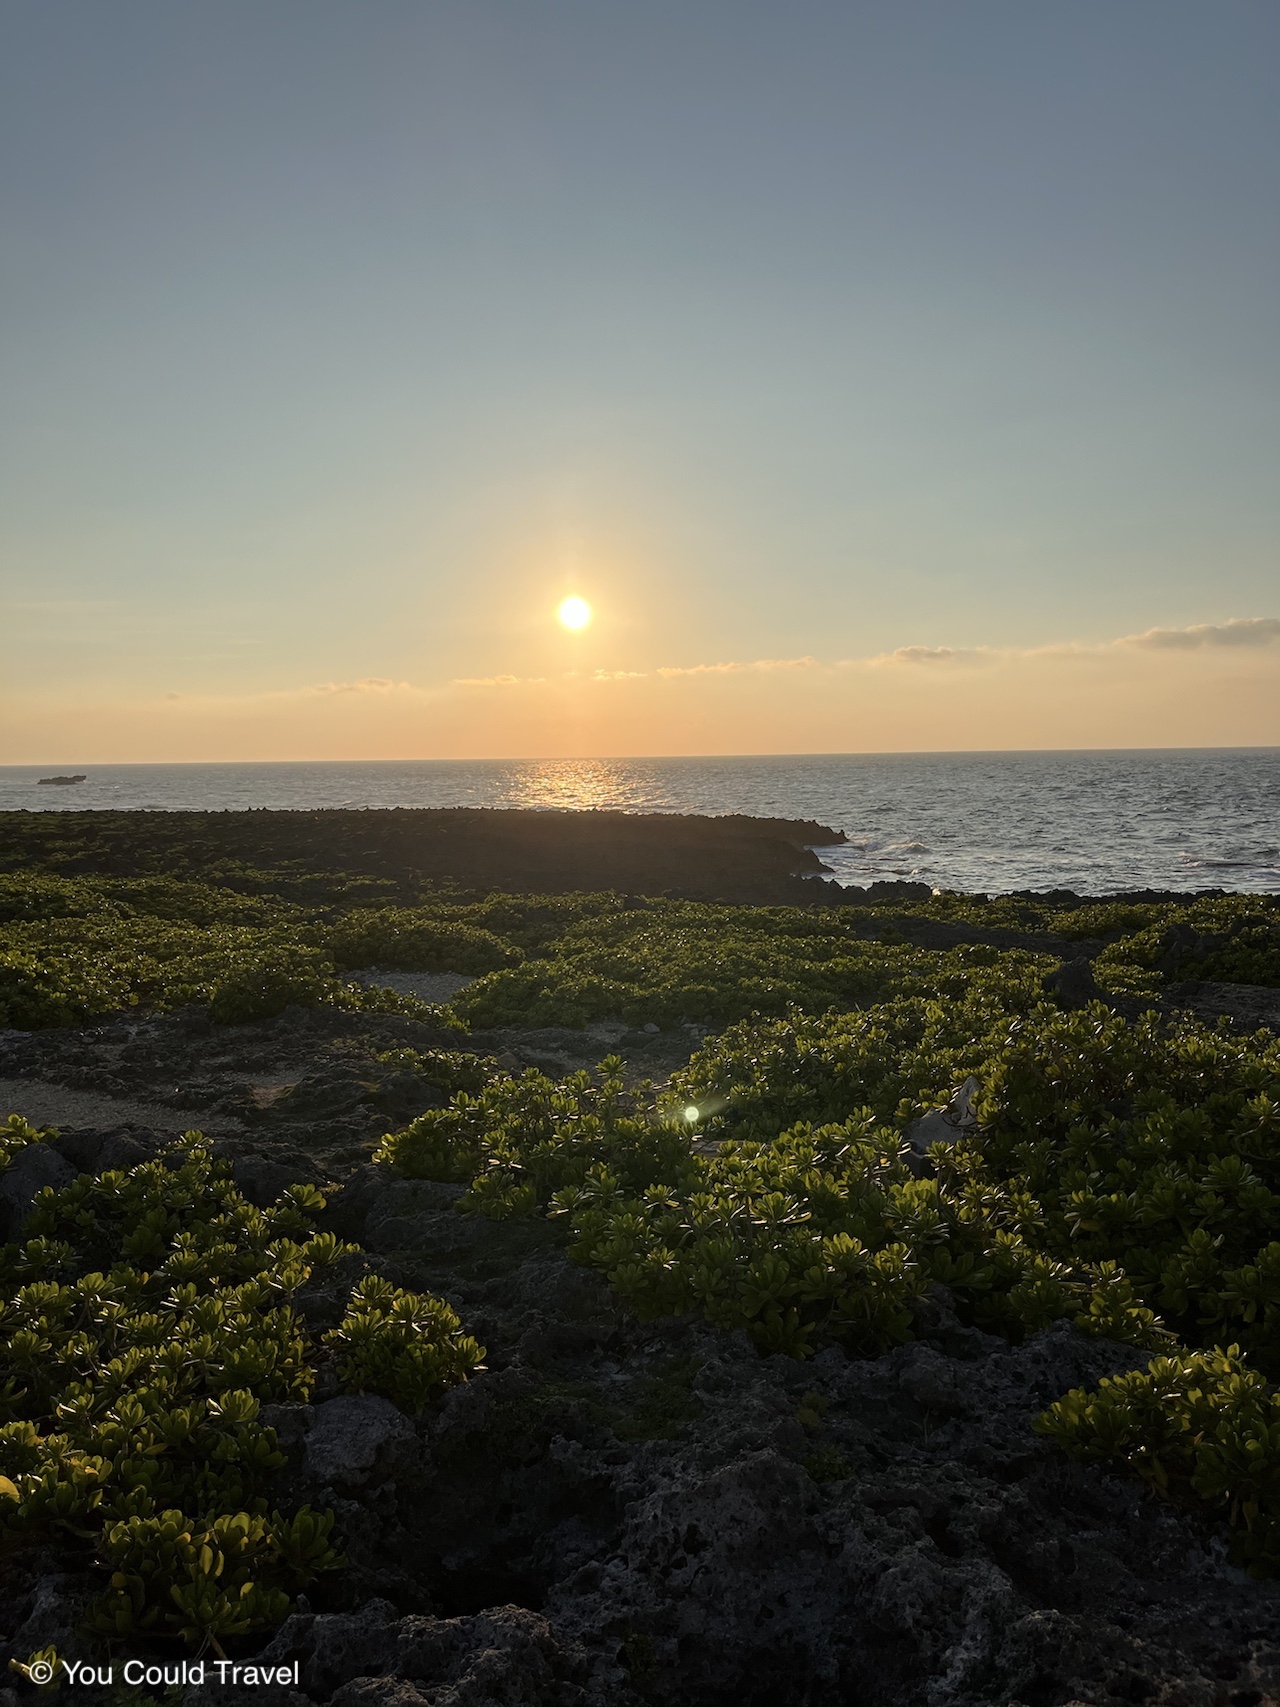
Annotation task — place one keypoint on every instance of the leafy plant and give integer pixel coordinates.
(1196, 1425)
(418, 940)
(402, 1345)
(147, 1315)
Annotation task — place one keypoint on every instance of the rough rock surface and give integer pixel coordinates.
(30, 1171)
(1249, 1005)
(617, 1514)
(356, 1440)
(740, 857)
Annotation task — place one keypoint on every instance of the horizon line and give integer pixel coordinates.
(637, 758)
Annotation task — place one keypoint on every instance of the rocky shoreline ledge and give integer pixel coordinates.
(732, 858)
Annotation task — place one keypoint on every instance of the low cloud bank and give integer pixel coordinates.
(1251, 631)
(368, 684)
(1239, 631)
(1243, 631)
(928, 655)
(1207, 684)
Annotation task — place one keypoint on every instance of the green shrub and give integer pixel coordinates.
(447, 1069)
(402, 1345)
(531, 1135)
(1123, 1175)
(415, 940)
(1231, 939)
(65, 970)
(378, 999)
(146, 1316)
(679, 961)
(1196, 1425)
(263, 987)
(442, 1144)
(1126, 1175)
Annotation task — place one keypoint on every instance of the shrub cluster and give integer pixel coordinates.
(1233, 939)
(521, 1139)
(147, 1316)
(815, 1233)
(681, 961)
(416, 939)
(1201, 1425)
(401, 1345)
(72, 949)
(1124, 1174)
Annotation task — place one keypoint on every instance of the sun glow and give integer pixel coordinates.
(574, 613)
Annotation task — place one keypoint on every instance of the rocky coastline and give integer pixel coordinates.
(627, 1513)
(630, 1513)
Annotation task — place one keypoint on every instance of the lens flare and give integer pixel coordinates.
(574, 613)
(691, 1114)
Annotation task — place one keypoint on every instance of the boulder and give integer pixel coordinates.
(505, 1656)
(262, 1181)
(356, 1441)
(32, 1168)
(1072, 985)
(944, 1125)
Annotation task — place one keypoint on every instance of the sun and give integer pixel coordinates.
(574, 613)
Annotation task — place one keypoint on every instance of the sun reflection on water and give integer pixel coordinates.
(577, 785)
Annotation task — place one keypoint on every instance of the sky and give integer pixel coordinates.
(887, 376)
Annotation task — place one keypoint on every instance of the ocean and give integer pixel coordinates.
(1095, 822)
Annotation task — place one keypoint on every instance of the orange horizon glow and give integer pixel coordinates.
(1198, 687)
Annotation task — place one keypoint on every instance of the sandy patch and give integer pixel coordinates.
(427, 986)
(44, 1104)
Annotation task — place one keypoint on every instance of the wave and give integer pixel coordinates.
(1262, 860)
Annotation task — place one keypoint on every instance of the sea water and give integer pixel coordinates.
(1095, 822)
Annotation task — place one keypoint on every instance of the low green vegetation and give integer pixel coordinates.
(73, 948)
(712, 965)
(401, 1345)
(147, 1317)
(1123, 1173)
(1201, 1425)
(1119, 1172)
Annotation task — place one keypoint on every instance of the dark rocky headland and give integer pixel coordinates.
(737, 858)
(616, 1512)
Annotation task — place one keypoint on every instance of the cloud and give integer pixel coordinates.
(1255, 632)
(758, 665)
(928, 655)
(493, 681)
(368, 684)
(1239, 631)
(732, 669)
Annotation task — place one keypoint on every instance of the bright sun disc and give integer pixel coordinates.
(575, 613)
